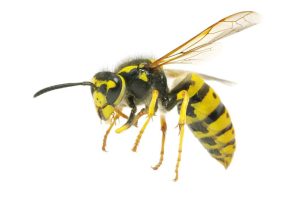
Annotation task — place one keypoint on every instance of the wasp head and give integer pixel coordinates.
(108, 91)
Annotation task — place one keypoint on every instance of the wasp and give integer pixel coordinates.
(143, 81)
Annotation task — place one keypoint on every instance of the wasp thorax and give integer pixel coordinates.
(108, 92)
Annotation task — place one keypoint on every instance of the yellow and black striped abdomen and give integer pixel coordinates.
(209, 120)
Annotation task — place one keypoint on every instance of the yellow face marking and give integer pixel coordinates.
(99, 99)
(107, 111)
(110, 84)
(100, 102)
(97, 82)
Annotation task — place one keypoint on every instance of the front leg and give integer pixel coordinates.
(118, 113)
(130, 120)
(151, 111)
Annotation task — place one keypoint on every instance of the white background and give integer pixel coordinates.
(50, 147)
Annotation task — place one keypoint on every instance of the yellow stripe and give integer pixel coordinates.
(122, 93)
(127, 69)
(207, 105)
(228, 149)
(197, 83)
(222, 122)
(225, 137)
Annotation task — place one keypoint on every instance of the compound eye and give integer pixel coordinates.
(113, 94)
(103, 89)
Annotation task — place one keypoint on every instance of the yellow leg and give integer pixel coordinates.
(119, 112)
(134, 121)
(114, 119)
(182, 119)
(138, 116)
(151, 111)
(163, 130)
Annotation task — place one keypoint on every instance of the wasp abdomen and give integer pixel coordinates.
(209, 120)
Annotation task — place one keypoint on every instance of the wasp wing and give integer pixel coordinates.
(190, 50)
(178, 73)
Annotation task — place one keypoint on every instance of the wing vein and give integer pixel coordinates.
(223, 28)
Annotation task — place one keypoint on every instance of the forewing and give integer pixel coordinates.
(190, 50)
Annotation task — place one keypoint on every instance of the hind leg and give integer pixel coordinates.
(179, 94)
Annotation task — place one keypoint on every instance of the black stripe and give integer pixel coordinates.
(215, 152)
(199, 96)
(190, 111)
(232, 142)
(197, 126)
(103, 89)
(208, 140)
(224, 130)
(215, 114)
(220, 159)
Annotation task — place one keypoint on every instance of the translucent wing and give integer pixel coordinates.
(178, 73)
(190, 50)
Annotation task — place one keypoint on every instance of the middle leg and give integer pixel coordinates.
(163, 130)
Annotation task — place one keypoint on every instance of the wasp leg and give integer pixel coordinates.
(163, 125)
(182, 118)
(119, 112)
(151, 111)
(134, 122)
(114, 119)
(138, 116)
(128, 124)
